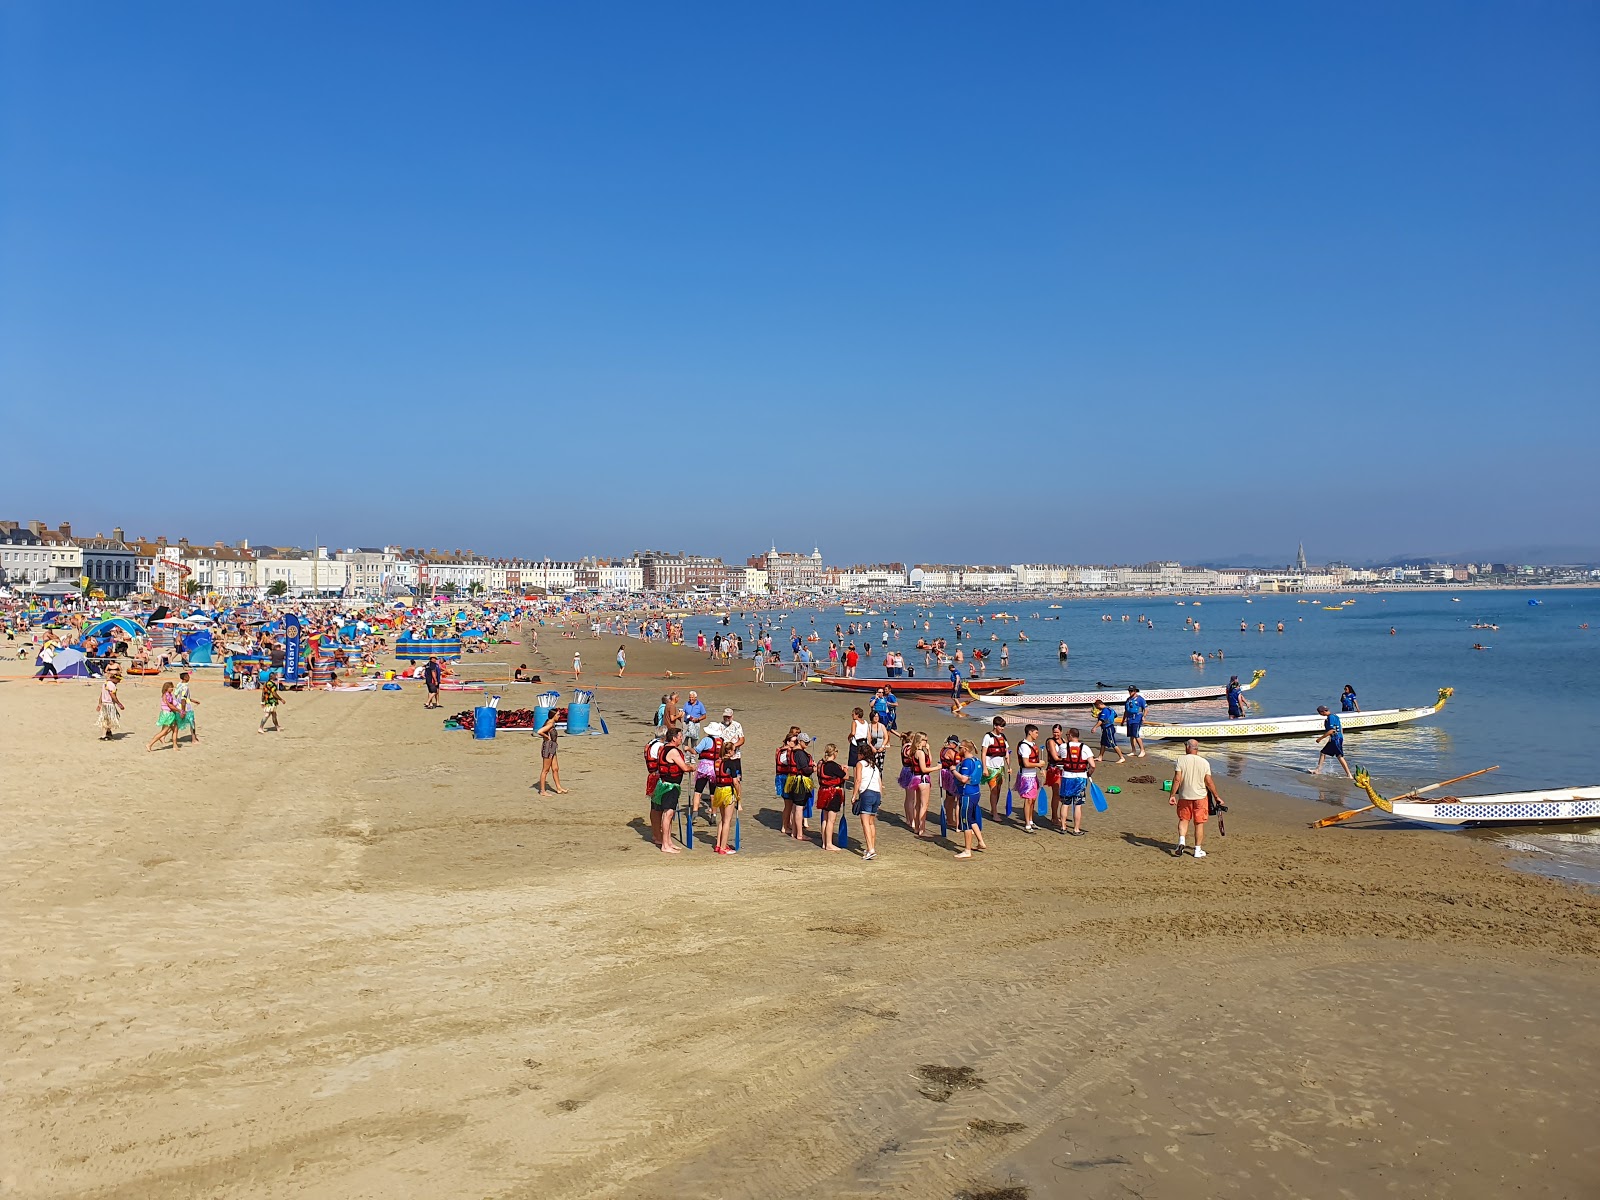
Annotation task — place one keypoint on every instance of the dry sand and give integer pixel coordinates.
(360, 958)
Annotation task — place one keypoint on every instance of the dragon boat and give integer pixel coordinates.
(1502, 808)
(1113, 695)
(1381, 718)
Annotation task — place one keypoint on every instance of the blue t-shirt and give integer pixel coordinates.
(880, 706)
(694, 711)
(1134, 708)
(973, 770)
(1333, 726)
(1348, 702)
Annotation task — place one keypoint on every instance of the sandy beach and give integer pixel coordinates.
(362, 958)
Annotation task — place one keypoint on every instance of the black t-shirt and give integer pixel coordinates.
(799, 763)
(833, 774)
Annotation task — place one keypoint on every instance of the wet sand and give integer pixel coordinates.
(362, 958)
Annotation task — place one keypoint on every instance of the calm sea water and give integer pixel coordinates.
(1529, 702)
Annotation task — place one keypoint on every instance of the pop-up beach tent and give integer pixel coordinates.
(69, 664)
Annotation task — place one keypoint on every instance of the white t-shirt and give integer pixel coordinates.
(733, 734)
(1088, 761)
(989, 757)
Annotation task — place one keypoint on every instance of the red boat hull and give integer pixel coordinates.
(940, 687)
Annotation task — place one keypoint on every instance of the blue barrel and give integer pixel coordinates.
(543, 704)
(578, 711)
(483, 722)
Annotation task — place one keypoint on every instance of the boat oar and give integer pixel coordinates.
(1432, 787)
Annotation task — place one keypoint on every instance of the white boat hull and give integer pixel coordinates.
(1114, 696)
(1556, 804)
(1283, 726)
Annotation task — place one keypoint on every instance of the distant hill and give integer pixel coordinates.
(1536, 556)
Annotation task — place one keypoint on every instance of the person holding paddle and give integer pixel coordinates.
(1192, 792)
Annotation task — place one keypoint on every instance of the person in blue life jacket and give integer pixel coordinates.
(1106, 716)
(1235, 699)
(1348, 701)
(1133, 718)
(969, 778)
(1333, 734)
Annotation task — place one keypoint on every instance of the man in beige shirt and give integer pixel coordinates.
(1192, 790)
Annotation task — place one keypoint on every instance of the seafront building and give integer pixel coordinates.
(44, 562)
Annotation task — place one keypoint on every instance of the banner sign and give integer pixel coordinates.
(291, 648)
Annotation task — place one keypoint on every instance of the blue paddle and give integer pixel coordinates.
(841, 839)
(1097, 796)
(736, 829)
(1008, 799)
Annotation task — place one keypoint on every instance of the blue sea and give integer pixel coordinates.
(1528, 702)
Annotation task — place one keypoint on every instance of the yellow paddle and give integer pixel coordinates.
(1432, 787)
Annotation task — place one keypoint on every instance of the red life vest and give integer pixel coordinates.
(1028, 754)
(907, 755)
(781, 763)
(724, 776)
(652, 755)
(1076, 761)
(996, 747)
(713, 752)
(670, 771)
(949, 755)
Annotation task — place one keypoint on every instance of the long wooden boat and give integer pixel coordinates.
(914, 686)
(1503, 808)
(1290, 726)
(1115, 695)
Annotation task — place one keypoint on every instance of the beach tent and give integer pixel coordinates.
(115, 626)
(69, 664)
(198, 647)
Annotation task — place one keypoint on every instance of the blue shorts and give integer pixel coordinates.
(1133, 729)
(1334, 747)
(1108, 737)
(868, 803)
(969, 811)
(1072, 789)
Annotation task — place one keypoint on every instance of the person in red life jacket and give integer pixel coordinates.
(724, 800)
(797, 787)
(995, 756)
(707, 754)
(830, 793)
(1028, 761)
(949, 760)
(1055, 753)
(1077, 765)
(670, 770)
(653, 751)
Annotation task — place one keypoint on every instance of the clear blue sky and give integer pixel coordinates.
(1166, 280)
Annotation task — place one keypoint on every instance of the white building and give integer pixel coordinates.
(313, 574)
(755, 581)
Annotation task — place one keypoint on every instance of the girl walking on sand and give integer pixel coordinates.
(622, 660)
(170, 719)
(271, 698)
(110, 706)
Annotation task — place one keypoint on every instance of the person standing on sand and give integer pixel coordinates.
(1028, 773)
(622, 660)
(110, 705)
(577, 665)
(668, 788)
(733, 738)
(549, 767)
(869, 797)
(724, 803)
(1333, 731)
(432, 677)
(694, 713)
(830, 793)
(995, 757)
(1192, 791)
(1133, 717)
(1077, 766)
(968, 775)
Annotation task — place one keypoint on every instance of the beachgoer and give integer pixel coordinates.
(1061, 652)
(577, 665)
(831, 776)
(968, 774)
(669, 786)
(798, 786)
(851, 658)
(733, 738)
(271, 700)
(1333, 733)
(1348, 701)
(432, 677)
(1133, 718)
(995, 756)
(47, 661)
(694, 713)
(1192, 792)
(1028, 773)
(707, 755)
(1077, 766)
(549, 767)
(949, 785)
(622, 660)
(1107, 719)
(724, 803)
(1235, 699)
(869, 797)
(110, 705)
(170, 719)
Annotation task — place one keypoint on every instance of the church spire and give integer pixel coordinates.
(1300, 559)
